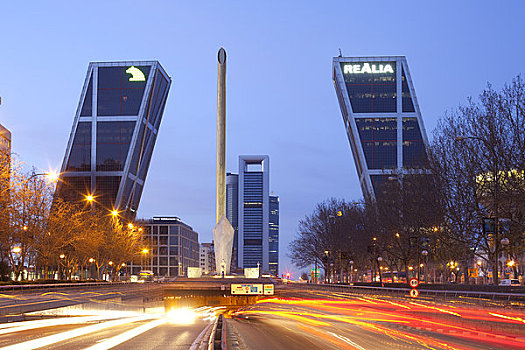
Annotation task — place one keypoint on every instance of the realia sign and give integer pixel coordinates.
(362, 68)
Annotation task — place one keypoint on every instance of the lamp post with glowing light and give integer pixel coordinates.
(380, 268)
(144, 254)
(91, 261)
(425, 276)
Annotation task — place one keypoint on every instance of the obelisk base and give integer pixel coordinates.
(223, 242)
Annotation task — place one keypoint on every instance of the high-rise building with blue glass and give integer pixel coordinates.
(254, 215)
(114, 133)
(381, 117)
(273, 236)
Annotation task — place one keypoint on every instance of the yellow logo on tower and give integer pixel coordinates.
(136, 74)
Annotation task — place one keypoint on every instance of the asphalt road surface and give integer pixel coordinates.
(296, 320)
(318, 320)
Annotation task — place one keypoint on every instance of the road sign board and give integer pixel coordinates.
(413, 282)
(247, 289)
(268, 289)
(414, 293)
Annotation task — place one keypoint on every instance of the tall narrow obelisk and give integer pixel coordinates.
(221, 133)
(223, 231)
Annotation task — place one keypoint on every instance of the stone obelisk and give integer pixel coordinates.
(223, 231)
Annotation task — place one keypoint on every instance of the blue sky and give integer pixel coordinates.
(280, 96)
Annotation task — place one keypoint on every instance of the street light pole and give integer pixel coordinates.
(425, 276)
(495, 180)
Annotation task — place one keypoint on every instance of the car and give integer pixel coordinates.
(510, 282)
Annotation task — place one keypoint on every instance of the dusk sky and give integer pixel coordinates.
(280, 96)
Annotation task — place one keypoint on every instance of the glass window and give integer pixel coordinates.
(159, 99)
(163, 240)
(88, 99)
(371, 86)
(113, 140)
(117, 94)
(74, 188)
(378, 182)
(414, 153)
(163, 230)
(379, 140)
(80, 156)
(174, 250)
(408, 105)
(163, 261)
(106, 190)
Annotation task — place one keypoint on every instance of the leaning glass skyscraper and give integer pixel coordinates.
(114, 133)
(382, 118)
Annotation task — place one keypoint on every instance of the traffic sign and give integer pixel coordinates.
(413, 282)
(414, 293)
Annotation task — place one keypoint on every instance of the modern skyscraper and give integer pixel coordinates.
(232, 212)
(254, 210)
(274, 236)
(382, 118)
(114, 133)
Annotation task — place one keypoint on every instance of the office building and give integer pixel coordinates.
(114, 133)
(172, 247)
(253, 214)
(381, 117)
(273, 236)
(232, 213)
(207, 258)
(5, 145)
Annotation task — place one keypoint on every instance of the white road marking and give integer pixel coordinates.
(348, 341)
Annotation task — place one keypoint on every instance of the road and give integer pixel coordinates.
(319, 320)
(99, 329)
(295, 320)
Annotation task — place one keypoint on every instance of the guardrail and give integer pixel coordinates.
(405, 291)
(29, 287)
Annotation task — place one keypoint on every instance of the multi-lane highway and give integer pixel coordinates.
(320, 320)
(296, 319)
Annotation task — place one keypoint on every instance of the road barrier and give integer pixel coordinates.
(405, 291)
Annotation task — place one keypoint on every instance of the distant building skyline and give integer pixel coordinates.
(114, 133)
(381, 117)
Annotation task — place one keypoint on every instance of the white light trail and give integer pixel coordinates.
(121, 338)
(55, 338)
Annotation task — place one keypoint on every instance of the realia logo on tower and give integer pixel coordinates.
(369, 68)
(136, 74)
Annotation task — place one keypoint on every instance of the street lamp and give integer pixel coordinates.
(60, 265)
(425, 254)
(379, 259)
(144, 252)
(91, 261)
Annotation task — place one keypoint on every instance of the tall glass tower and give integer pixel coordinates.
(273, 245)
(381, 117)
(114, 133)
